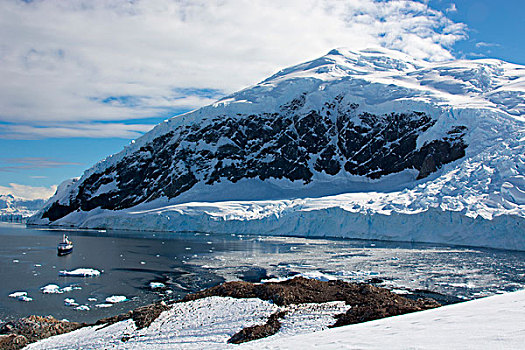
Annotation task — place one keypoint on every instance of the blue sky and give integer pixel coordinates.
(80, 79)
(495, 28)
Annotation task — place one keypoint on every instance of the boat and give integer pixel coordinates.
(65, 247)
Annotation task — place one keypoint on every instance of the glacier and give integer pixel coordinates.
(462, 182)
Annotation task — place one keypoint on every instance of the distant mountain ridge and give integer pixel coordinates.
(16, 209)
(373, 133)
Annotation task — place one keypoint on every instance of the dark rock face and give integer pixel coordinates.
(380, 306)
(142, 316)
(17, 334)
(271, 327)
(285, 145)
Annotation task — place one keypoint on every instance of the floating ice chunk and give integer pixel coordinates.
(70, 302)
(16, 261)
(82, 308)
(21, 295)
(51, 289)
(116, 299)
(18, 294)
(156, 285)
(80, 272)
(92, 299)
(55, 289)
(103, 305)
(70, 288)
(143, 263)
(400, 291)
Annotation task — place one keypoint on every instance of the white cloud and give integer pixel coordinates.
(91, 130)
(62, 61)
(482, 44)
(32, 163)
(451, 8)
(28, 192)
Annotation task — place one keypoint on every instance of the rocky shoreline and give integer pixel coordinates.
(365, 302)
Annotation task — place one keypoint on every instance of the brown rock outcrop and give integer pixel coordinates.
(19, 333)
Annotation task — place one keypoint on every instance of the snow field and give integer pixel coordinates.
(494, 322)
(201, 324)
(488, 323)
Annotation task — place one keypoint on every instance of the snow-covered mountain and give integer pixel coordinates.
(369, 144)
(15, 209)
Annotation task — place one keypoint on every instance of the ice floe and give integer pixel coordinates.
(80, 272)
(21, 296)
(114, 299)
(55, 289)
(70, 302)
(17, 294)
(157, 285)
(51, 289)
(102, 306)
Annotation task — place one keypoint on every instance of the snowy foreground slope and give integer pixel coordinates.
(370, 144)
(489, 323)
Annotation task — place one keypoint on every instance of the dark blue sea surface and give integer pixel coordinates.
(130, 261)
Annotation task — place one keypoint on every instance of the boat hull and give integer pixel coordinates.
(64, 250)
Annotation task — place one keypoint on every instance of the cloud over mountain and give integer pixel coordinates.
(90, 61)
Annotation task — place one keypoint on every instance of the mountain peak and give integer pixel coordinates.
(357, 137)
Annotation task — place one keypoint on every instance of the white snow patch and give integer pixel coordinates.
(201, 324)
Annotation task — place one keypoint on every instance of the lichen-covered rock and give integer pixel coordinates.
(367, 302)
(19, 333)
(272, 326)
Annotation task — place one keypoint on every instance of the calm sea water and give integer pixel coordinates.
(130, 261)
